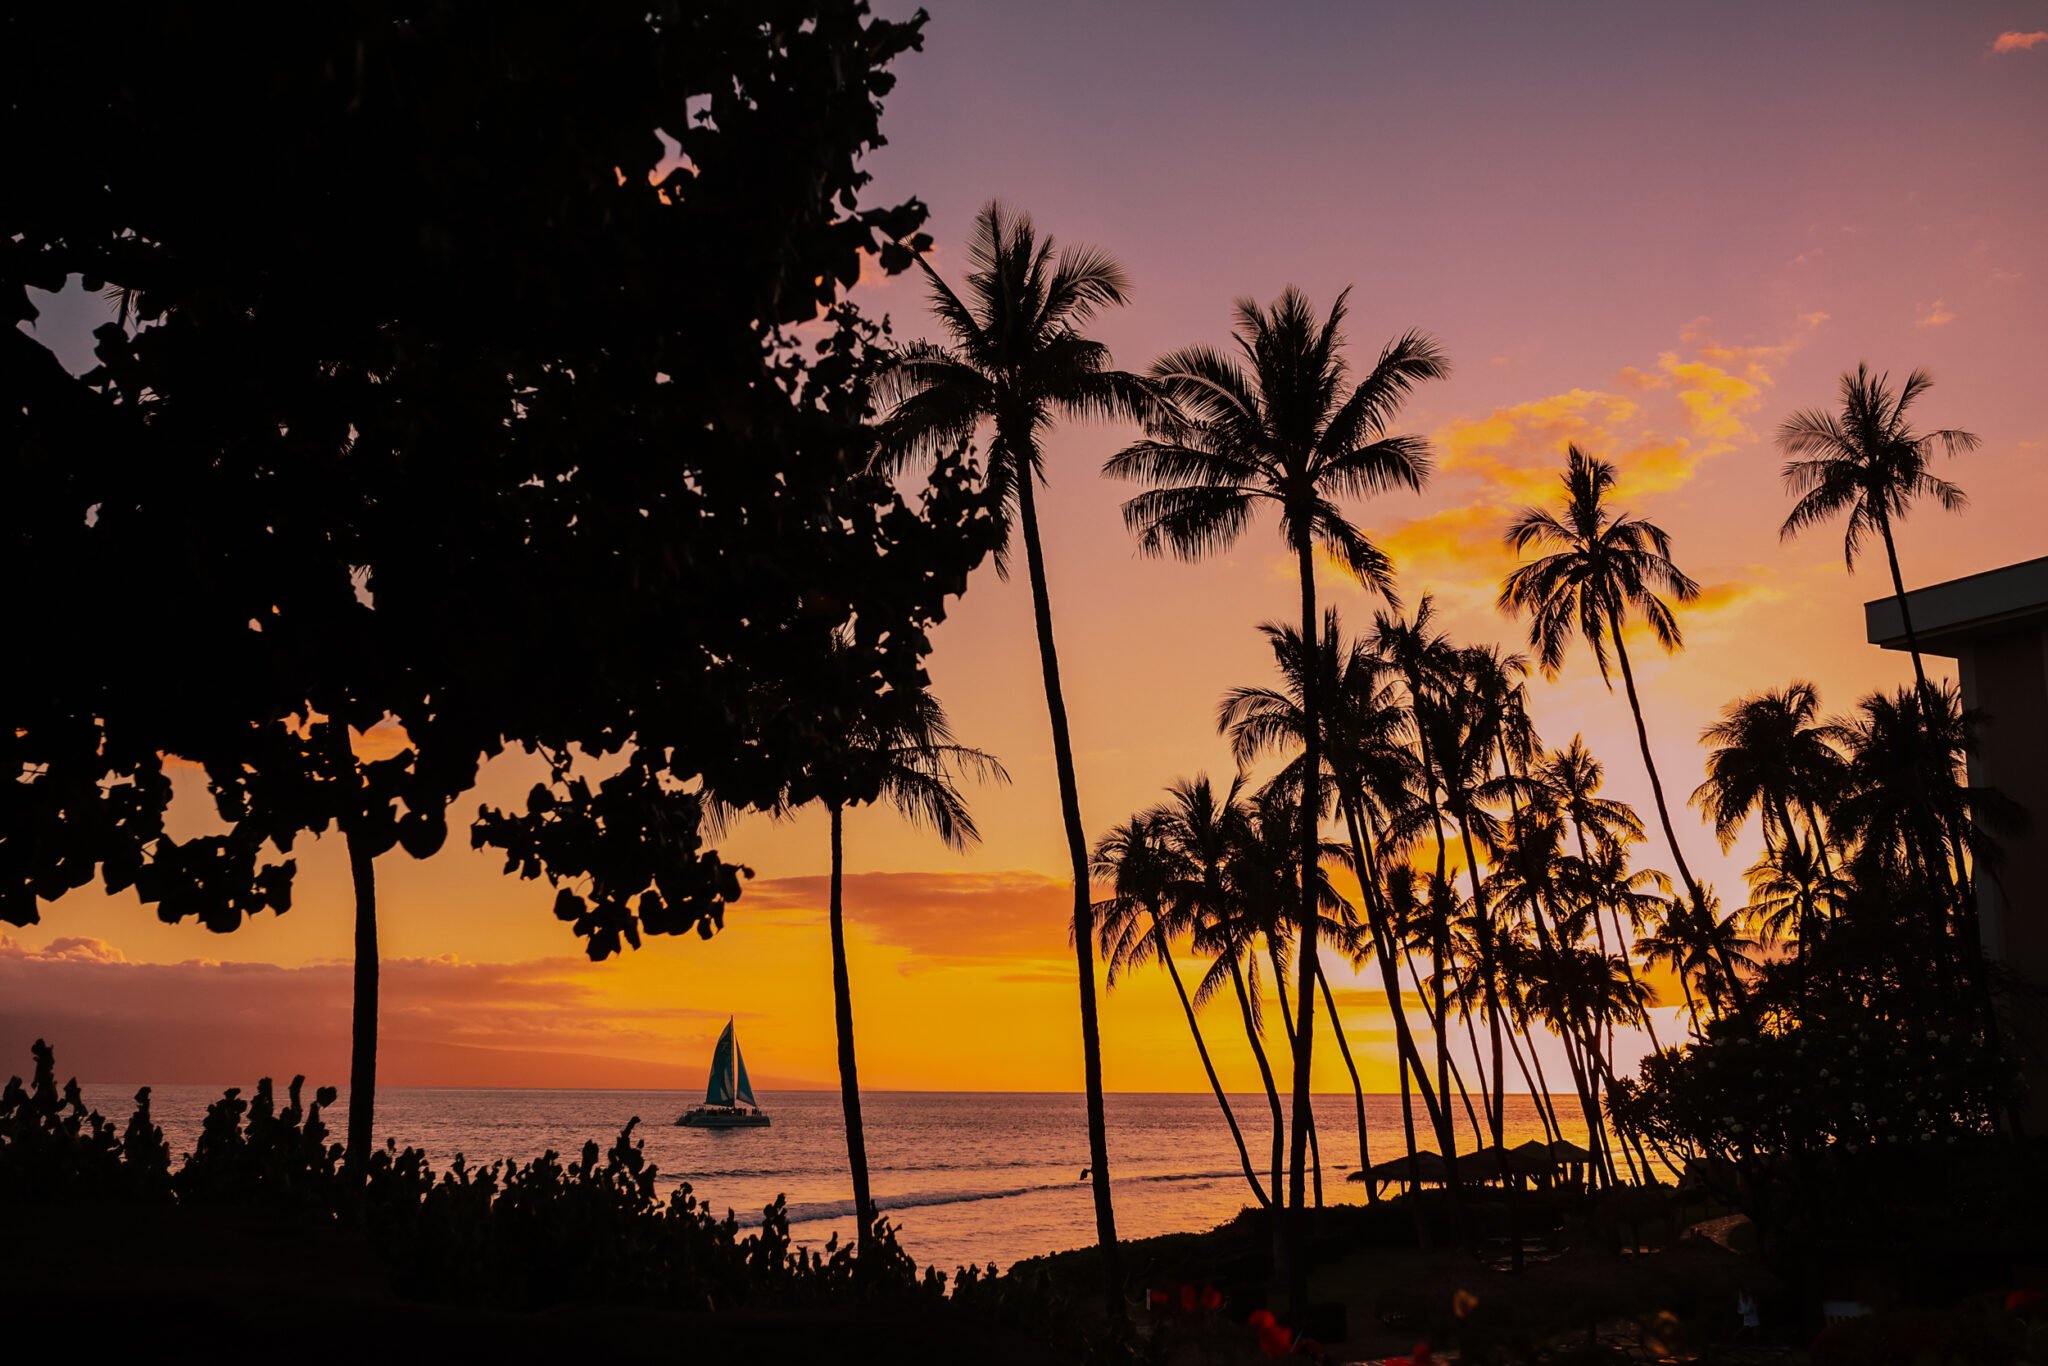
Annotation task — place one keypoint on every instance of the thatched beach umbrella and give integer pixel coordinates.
(1484, 1165)
(1429, 1170)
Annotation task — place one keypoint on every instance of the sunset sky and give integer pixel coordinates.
(1651, 230)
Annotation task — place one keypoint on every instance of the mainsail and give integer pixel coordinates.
(720, 1090)
(729, 1084)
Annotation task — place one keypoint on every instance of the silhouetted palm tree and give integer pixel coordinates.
(1604, 566)
(1360, 722)
(1787, 888)
(1205, 836)
(1770, 755)
(1423, 657)
(1281, 423)
(1016, 358)
(1866, 461)
(1141, 919)
(1703, 947)
(906, 754)
(1903, 800)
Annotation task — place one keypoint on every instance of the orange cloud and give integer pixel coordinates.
(945, 919)
(1509, 459)
(2011, 41)
(1936, 314)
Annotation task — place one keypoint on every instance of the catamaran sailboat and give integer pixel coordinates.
(729, 1097)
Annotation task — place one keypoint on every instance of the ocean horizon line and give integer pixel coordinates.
(760, 1091)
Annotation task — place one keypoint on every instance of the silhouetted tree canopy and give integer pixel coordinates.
(477, 372)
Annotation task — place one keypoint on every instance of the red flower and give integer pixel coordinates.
(1276, 1340)
(1187, 1299)
(1212, 1298)
(1260, 1318)
(1158, 1299)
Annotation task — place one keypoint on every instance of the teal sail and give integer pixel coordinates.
(745, 1089)
(720, 1090)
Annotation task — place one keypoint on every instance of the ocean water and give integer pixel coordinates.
(967, 1177)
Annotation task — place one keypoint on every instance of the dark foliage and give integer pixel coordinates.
(591, 1229)
(387, 432)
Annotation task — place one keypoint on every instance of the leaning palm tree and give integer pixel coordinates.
(1603, 567)
(1015, 359)
(1139, 922)
(903, 754)
(1868, 462)
(1282, 423)
(1205, 836)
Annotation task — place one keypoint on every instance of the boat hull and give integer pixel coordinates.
(709, 1117)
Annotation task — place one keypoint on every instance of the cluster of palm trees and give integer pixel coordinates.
(1490, 875)
(1429, 759)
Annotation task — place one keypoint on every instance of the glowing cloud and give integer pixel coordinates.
(2019, 42)
(1936, 314)
(1509, 459)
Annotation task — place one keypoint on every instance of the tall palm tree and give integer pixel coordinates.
(1359, 720)
(1424, 658)
(1603, 567)
(1282, 423)
(904, 754)
(1866, 461)
(1016, 358)
(1139, 922)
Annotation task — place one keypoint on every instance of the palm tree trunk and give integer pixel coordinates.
(1077, 855)
(1448, 1071)
(1305, 970)
(1209, 1068)
(1390, 975)
(1691, 1006)
(362, 1065)
(1486, 1093)
(1251, 1033)
(842, 1019)
(1439, 948)
(1891, 554)
(1820, 842)
(1966, 903)
(1486, 970)
(1539, 1085)
(1542, 915)
(1357, 1086)
(1692, 887)
(1315, 1146)
(1635, 706)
